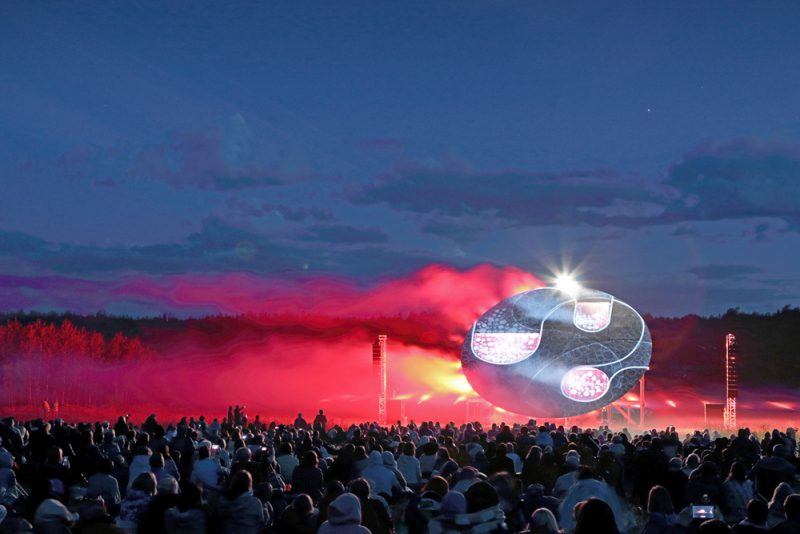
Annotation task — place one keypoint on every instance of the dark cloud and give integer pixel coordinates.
(218, 247)
(522, 198)
(735, 180)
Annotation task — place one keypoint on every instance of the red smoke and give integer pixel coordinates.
(289, 346)
(305, 344)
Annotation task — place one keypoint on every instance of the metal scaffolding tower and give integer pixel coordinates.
(731, 382)
(379, 374)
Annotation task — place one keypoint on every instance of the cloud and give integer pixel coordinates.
(457, 197)
(740, 179)
(736, 180)
(219, 246)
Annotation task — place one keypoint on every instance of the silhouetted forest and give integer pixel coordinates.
(687, 351)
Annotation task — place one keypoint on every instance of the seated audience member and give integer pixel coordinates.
(344, 516)
(791, 524)
(755, 521)
(188, 516)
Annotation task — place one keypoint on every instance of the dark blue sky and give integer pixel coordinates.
(654, 147)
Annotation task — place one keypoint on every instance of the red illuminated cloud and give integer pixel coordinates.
(455, 296)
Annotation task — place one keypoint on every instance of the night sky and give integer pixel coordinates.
(651, 148)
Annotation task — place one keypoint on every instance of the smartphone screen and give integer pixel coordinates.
(703, 512)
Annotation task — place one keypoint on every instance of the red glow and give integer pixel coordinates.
(305, 345)
(584, 384)
(781, 405)
(504, 347)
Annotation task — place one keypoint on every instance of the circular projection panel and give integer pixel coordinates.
(551, 353)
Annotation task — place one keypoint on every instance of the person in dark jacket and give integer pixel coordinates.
(374, 513)
(661, 516)
(188, 516)
(755, 522)
(593, 516)
(771, 471)
(299, 517)
(307, 477)
(791, 508)
(500, 462)
(705, 480)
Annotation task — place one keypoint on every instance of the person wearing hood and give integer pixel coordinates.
(188, 516)
(453, 505)
(375, 510)
(52, 516)
(382, 480)
(776, 512)
(344, 516)
(391, 464)
(240, 511)
(565, 481)
(587, 486)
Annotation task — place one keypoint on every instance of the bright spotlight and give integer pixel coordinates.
(567, 284)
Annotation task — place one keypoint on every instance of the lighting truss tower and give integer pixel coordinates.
(731, 382)
(379, 374)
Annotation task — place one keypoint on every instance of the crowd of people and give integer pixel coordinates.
(237, 475)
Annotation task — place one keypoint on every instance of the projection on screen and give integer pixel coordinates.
(556, 352)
